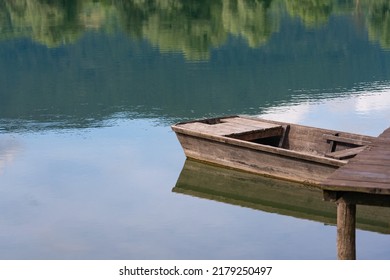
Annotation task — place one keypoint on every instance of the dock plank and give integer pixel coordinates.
(368, 172)
(352, 186)
(381, 156)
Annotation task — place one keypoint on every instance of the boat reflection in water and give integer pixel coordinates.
(270, 195)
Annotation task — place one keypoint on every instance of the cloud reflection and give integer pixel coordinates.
(370, 103)
(365, 111)
(8, 150)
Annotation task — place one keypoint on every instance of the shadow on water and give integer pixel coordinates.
(270, 195)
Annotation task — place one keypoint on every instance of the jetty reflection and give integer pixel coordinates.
(270, 195)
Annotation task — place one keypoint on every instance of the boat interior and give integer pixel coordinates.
(304, 139)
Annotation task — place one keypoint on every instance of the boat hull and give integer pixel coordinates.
(299, 156)
(261, 162)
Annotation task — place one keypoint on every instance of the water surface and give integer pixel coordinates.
(89, 89)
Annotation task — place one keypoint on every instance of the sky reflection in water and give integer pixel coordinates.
(106, 193)
(101, 202)
(363, 112)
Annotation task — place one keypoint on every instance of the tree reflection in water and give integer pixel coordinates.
(189, 27)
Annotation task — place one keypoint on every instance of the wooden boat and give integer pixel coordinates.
(278, 149)
(271, 195)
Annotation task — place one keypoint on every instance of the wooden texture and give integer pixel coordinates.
(254, 158)
(368, 172)
(231, 126)
(347, 153)
(244, 129)
(311, 140)
(346, 233)
(277, 149)
(358, 198)
(340, 139)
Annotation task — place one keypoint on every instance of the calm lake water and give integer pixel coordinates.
(89, 167)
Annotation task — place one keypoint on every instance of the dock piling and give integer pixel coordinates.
(365, 180)
(346, 230)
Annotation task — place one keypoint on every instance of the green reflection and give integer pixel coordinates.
(51, 23)
(115, 67)
(379, 22)
(194, 27)
(270, 195)
(311, 12)
(189, 27)
(250, 19)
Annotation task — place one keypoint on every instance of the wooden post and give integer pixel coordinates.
(346, 230)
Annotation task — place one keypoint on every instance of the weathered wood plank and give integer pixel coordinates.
(363, 171)
(309, 139)
(244, 126)
(364, 176)
(217, 129)
(365, 168)
(368, 172)
(237, 130)
(257, 134)
(357, 186)
(203, 128)
(306, 140)
(378, 157)
(358, 198)
(347, 153)
(379, 147)
(249, 122)
(348, 140)
(282, 140)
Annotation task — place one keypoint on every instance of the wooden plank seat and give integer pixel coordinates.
(243, 129)
(346, 140)
(345, 154)
(335, 139)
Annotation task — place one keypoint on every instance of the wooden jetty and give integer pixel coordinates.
(365, 180)
(278, 149)
(270, 195)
